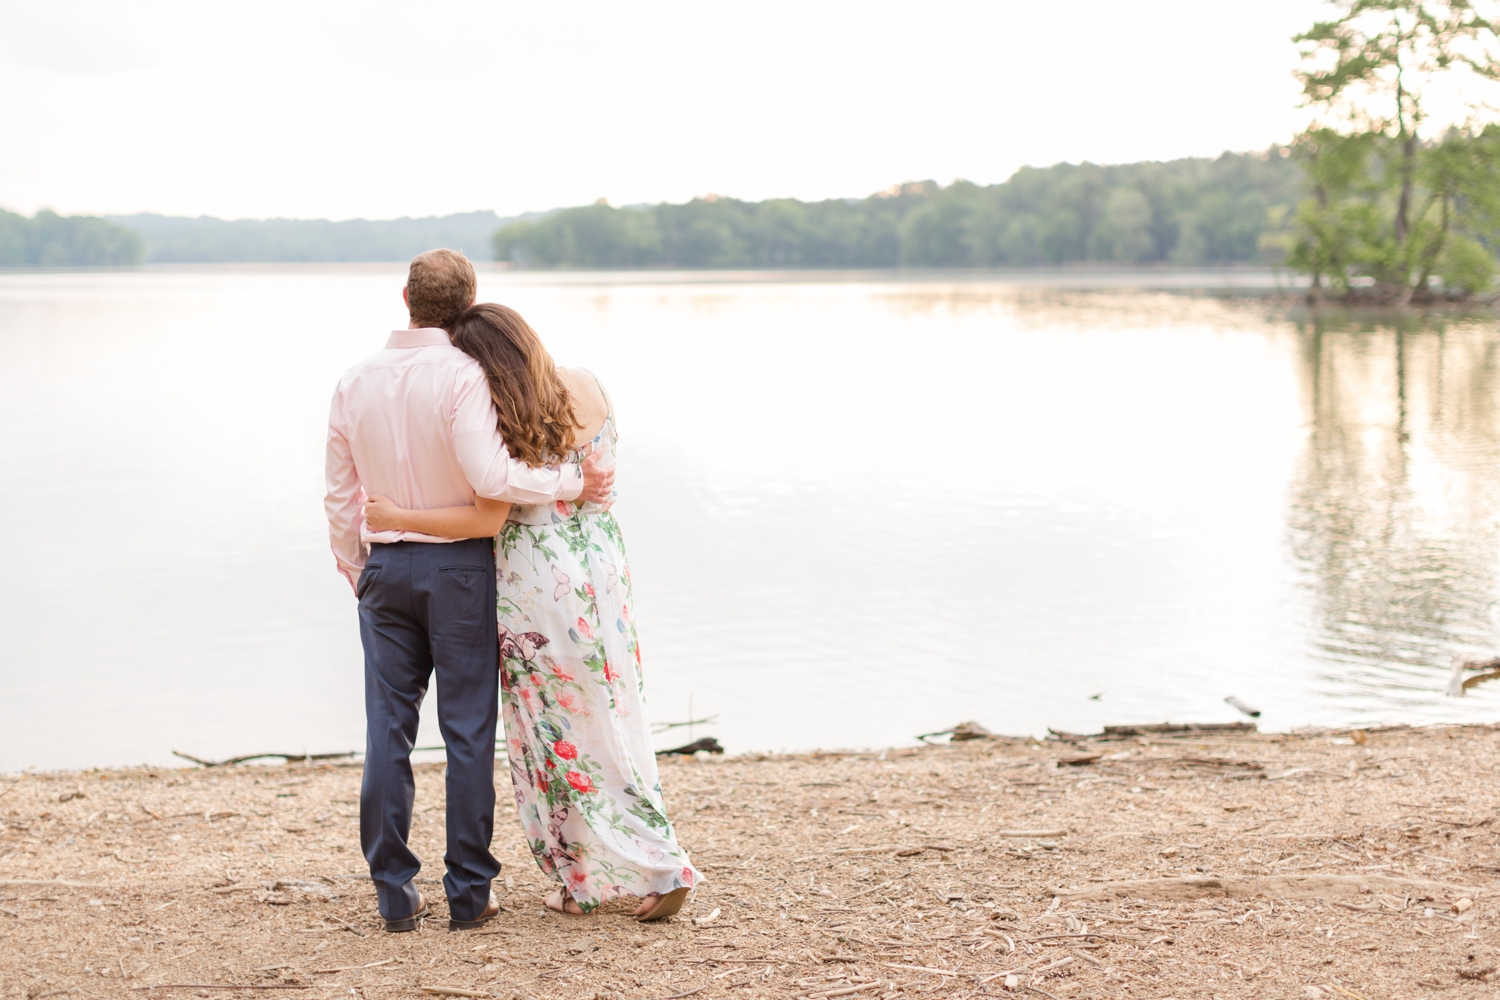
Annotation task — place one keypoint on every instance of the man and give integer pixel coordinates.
(415, 423)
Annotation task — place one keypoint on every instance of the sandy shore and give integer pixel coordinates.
(1350, 864)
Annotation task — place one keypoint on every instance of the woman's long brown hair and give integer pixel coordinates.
(536, 413)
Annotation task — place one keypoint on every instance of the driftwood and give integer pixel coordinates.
(1172, 728)
(288, 757)
(971, 731)
(1458, 684)
(687, 750)
(1234, 702)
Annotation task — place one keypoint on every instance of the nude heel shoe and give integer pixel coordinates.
(667, 905)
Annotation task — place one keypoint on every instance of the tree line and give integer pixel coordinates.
(1190, 211)
(207, 240)
(51, 240)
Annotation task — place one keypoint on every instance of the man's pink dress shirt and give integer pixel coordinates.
(414, 423)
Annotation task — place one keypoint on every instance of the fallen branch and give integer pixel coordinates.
(1170, 728)
(288, 757)
(1457, 685)
(452, 991)
(687, 750)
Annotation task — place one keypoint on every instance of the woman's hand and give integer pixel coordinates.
(383, 515)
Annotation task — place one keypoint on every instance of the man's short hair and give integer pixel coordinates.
(439, 286)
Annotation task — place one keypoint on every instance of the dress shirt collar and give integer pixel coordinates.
(429, 336)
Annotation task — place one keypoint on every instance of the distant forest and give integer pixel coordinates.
(51, 240)
(205, 240)
(1193, 211)
(1237, 208)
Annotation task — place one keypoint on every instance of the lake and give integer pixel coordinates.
(859, 508)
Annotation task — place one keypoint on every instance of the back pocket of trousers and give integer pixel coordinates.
(462, 596)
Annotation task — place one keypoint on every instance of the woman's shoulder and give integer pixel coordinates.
(585, 388)
(590, 402)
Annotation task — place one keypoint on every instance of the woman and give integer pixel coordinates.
(572, 697)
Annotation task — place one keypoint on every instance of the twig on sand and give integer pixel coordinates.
(1347, 993)
(347, 926)
(846, 990)
(53, 881)
(452, 991)
(1040, 993)
(674, 996)
(224, 986)
(923, 968)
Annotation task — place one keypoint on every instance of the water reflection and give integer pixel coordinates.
(1394, 504)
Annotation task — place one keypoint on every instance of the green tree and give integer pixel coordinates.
(1386, 203)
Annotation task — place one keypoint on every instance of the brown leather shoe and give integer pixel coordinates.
(489, 914)
(409, 923)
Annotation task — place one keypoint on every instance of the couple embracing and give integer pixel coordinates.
(469, 489)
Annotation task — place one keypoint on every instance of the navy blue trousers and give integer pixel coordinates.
(428, 609)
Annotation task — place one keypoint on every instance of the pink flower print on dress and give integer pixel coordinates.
(560, 673)
(564, 584)
(569, 700)
(576, 878)
(588, 588)
(564, 508)
(580, 782)
(687, 876)
(565, 750)
(584, 630)
(610, 674)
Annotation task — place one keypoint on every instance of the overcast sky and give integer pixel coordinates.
(380, 109)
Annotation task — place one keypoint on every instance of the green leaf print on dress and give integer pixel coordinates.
(572, 700)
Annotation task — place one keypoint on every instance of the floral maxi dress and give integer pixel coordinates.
(573, 704)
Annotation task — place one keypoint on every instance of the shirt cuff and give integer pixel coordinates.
(572, 482)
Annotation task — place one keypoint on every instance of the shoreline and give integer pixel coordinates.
(1360, 862)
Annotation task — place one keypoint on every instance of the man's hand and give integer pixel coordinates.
(598, 484)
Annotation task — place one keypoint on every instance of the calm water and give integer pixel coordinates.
(856, 510)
